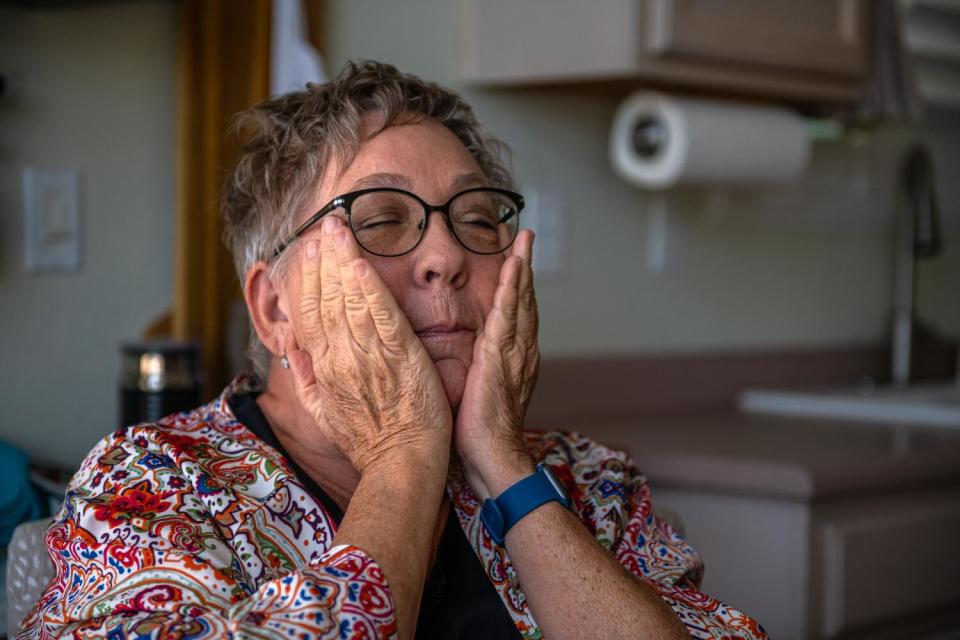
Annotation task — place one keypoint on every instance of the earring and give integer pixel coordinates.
(284, 361)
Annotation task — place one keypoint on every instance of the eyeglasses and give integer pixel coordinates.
(391, 222)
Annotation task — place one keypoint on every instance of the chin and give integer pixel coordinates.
(453, 375)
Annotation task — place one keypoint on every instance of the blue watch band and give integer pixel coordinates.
(499, 515)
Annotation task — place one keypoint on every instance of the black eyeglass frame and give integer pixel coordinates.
(346, 200)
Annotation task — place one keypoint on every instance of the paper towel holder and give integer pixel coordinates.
(650, 136)
(661, 142)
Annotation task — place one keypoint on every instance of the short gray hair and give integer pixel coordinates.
(289, 141)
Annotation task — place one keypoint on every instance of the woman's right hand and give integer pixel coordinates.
(360, 370)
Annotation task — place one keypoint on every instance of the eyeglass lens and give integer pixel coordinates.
(390, 223)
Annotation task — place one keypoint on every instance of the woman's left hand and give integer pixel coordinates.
(488, 432)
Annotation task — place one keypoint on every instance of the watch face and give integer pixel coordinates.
(562, 490)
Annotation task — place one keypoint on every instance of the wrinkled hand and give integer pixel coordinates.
(488, 434)
(360, 371)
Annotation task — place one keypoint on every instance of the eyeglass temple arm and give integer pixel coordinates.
(306, 225)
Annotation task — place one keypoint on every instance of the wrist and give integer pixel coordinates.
(411, 466)
(405, 450)
(499, 472)
(513, 505)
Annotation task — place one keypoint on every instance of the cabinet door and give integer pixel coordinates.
(821, 36)
(544, 40)
(886, 558)
(798, 50)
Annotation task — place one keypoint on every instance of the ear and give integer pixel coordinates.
(269, 309)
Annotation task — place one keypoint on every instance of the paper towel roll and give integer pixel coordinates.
(659, 141)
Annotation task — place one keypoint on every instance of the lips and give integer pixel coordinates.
(444, 330)
(448, 340)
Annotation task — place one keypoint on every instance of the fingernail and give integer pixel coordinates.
(340, 237)
(360, 268)
(312, 249)
(329, 224)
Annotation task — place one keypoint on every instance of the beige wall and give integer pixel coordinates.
(90, 88)
(806, 265)
(93, 88)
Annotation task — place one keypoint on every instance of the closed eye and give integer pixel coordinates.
(380, 220)
(482, 219)
(482, 223)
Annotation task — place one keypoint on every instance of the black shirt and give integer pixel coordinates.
(458, 599)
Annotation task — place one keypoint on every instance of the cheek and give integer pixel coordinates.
(395, 274)
(485, 286)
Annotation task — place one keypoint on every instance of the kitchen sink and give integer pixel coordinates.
(929, 405)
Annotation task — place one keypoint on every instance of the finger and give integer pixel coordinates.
(523, 244)
(308, 324)
(357, 311)
(527, 316)
(523, 249)
(331, 288)
(501, 324)
(391, 324)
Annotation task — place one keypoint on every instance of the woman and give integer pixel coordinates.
(373, 478)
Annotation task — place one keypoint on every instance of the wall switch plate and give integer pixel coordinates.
(51, 219)
(545, 214)
(665, 235)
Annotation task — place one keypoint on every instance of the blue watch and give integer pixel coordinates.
(499, 515)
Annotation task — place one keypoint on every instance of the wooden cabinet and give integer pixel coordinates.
(816, 36)
(812, 51)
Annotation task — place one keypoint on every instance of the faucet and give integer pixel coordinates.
(916, 235)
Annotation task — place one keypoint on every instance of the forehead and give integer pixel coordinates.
(424, 157)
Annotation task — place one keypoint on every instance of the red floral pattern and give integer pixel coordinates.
(194, 528)
(138, 502)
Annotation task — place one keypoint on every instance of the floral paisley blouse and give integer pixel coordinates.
(192, 527)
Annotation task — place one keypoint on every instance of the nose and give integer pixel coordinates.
(440, 259)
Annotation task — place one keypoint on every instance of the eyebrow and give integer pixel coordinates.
(472, 179)
(394, 180)
(398, 181)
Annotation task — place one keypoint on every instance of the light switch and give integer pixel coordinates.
(544, 213)
(51, 219)
(666, 233)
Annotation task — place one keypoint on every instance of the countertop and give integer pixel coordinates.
(796, 459)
